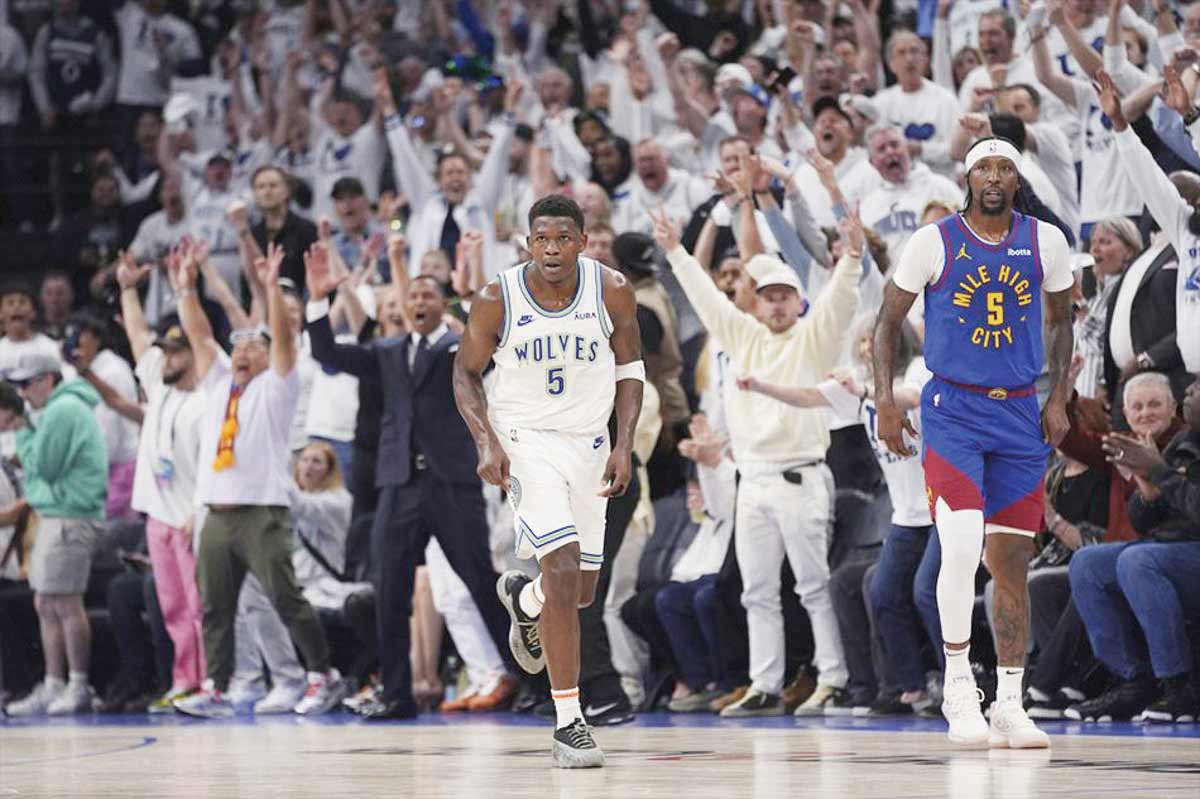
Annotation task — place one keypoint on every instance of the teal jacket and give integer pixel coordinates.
(64, 458)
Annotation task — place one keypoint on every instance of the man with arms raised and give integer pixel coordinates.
(563, 333)
(982, 272)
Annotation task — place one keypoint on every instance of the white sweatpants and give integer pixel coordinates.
(260, 636)
(630, 654)
(775, 519)
(463, 620)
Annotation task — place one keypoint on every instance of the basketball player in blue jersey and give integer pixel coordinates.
(983, 273)
(562, 334)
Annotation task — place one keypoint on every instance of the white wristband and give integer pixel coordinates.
(634, 370)
(315, 309)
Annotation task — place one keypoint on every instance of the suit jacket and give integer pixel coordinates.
(419, 414)
(1151, 325)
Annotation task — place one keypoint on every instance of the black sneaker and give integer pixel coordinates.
(608, 712)
(523, 637)
(1178, 704)
(888, 706)
(1120, 703)
(1052, 708)
(574, 747)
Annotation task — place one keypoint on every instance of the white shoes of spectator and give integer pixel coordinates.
(37, 703)
(961, 707)
(207, 703)
(1013, 729)
(324, 692)
(75, 698)
(246, 694)
(283, 698)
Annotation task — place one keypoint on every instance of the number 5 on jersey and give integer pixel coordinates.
(555, 385)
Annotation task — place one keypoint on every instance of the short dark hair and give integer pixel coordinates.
(556, 205)
(18, 287)
(10, 400)
(446, 155)
(1008, 126)
(1006, 19)
(1035, 96)
(441, 290)
(82, 320)
(287, 179)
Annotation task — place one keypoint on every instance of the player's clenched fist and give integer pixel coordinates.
(493, 464)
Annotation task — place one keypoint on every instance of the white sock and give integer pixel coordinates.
(960, 533)
(77, 679)
(54, 682)
(1008, 684)
(566, 706)
(532, 598)
(958, 663)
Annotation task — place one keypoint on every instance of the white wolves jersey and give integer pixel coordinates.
(555, 370)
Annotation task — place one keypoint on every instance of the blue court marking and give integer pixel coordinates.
(657, 720)
(144, 742)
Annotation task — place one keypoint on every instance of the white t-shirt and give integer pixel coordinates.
(681, 195)
(333, 403)
(927, 115)
(141, 80)
(307, 367)
(1106, 188)
(905, 476)
(855, 176)
(211, 95)
(360, 156)
(169, 445)
(120, 434)
(924, 257)
(259, 474)
(207, 220)
(894, 210)
(282, 31)
(963, 21)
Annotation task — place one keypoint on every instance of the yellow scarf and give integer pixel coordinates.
(229, 431)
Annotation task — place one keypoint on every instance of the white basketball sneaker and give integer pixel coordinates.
(961, 707)
(1013, 729)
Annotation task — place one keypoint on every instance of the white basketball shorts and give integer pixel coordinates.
(554, 486)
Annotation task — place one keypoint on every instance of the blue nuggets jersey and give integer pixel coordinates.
(983, 317)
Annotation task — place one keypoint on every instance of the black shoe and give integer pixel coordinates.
(374, 710)
(1120, 703)
(574, 747)
(529, 697)
(887, 706)
(1052, 708)
(523, 637)
(1178, 704)
(608, 712)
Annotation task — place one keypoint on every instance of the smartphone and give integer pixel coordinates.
(780, 79)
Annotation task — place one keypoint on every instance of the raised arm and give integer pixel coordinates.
(891, 423)
(940, 58)
(490, 181)
(196, 327)
(133, 319)
(112, 398)
(474, 354)
(411, 176)
(799, 396)
(283, 342)
(1061, 86)
(321, 280)
(1089, 60)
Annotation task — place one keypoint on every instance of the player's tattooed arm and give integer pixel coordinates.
(479, 342)
(891, 422)
(626, 344)
(1060, 343)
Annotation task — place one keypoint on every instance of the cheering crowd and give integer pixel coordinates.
(229, 432)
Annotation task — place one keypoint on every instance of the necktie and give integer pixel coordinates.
(450, 233)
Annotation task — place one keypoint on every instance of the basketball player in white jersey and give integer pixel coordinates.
(562, 332)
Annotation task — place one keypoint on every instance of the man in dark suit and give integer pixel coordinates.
(1145, 324)
(425, 471)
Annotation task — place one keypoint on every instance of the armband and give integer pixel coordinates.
(635, 370)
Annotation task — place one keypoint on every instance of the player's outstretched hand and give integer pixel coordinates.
(617, 473)
(891, 425)
(493, 465)
(1055, 424)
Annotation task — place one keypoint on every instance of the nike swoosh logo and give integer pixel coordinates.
(596, 711)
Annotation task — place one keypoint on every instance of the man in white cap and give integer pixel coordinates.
(983, 272)
(785, 498)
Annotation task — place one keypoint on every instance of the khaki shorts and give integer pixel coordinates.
(62, 555)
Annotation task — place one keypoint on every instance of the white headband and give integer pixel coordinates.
(986, 148)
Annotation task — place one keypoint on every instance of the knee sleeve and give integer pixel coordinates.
(960, 534)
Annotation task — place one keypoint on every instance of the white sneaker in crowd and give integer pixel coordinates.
(324, 692)
(283, 698)
(75, 698)
(37, 701)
